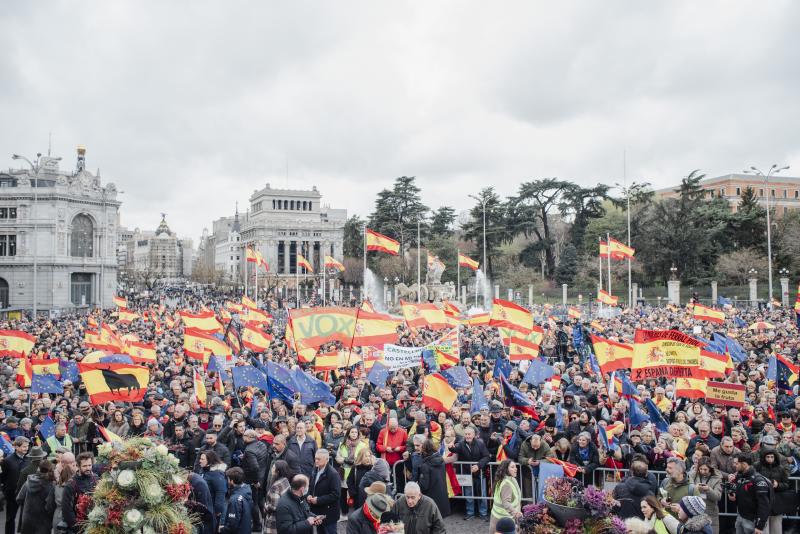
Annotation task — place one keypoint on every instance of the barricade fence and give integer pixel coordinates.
(477, 485)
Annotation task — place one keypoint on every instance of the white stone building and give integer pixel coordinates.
(61, 224)
(160, 254)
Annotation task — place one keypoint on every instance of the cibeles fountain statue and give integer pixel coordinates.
(433, 290)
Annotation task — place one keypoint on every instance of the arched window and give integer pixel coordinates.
(82, 237)
(3, 293)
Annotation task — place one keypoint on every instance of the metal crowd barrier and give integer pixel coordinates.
(603, 477)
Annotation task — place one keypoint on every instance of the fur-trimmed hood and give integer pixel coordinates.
(219, 467)
(697, 523)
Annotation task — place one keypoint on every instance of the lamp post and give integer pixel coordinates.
(771, 172)
(482, 202)
(385, 290)
(673, 273)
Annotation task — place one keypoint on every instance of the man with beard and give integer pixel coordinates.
(181, 446)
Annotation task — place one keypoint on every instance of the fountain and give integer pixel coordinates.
(373, 287)
(484, 288)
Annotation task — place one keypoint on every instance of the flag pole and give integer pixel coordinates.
(296, 279)
(458, 277)
(324, 269)
(419, 264)
(608, 244)
(631, 296)
(246, 294)
(364, 276)
(256, 295)
(600, 267)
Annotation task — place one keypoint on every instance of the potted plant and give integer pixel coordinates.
(564, 498)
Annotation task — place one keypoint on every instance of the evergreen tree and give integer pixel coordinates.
(397, 211)
(353, 243)
(749, 223)
(496, 227)
(567, 265)
(442, 222)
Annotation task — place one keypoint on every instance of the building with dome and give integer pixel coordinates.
(57, 236)
(158, 255)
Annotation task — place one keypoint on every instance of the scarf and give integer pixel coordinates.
(372, 520)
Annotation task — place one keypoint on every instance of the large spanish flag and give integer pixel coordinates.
(690, 388)
(713, 364)
(466, 261)
(704, 313)
(619, 250)
(251, 255)
(604, 297)
(200, 389)
(249, 303)
(234, 307)
(45, 367)
(199, 345)
(375, 329)
(437, 393)
(141, 352)
(254, 338)
(304, 263)
(665, 353)
(326, 361)
(120, 302)
(423, 315)
(382, 243)
(126, 316)
(16, 343)
(257, 316)
(313, 327)
(114, 381)
(204, 320)
(24, 373)
(511, 316)
(611, 355)
(479, 319)
(333, 263)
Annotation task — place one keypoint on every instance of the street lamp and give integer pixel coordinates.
(783, 272)
(753, 273)
(482, 202)
(673, 273)
(772, 171)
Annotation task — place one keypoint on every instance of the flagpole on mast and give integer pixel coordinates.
(419, 264)
(600, 267)
(458, 277)
(296, 281)
(246, 294)
(256, 295)
(631, 296)
(608, 244)
(324, 269)
(364, 276)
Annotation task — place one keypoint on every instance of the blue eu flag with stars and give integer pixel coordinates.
(280, 382)
(312, 389)
(378, 375)
(46, 384)
(247, 375)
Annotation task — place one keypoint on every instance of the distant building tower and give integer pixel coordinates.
(81, 159)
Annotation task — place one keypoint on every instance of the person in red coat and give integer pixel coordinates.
(391, 443)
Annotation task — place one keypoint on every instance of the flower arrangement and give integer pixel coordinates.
(143, 490)
(593, 510)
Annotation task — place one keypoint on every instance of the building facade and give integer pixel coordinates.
(160, 255)
(62, 225)
(781, 192)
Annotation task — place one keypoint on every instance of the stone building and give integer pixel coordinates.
(160, 254)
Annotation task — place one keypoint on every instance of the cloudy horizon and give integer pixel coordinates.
(190, 107)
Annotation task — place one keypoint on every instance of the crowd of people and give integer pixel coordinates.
(381, 460)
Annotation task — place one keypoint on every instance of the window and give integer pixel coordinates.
(738, 191)
(237, 258)
(256, 207)
(785, 193)
(82, 238)
(273, 204)
(291, 205)
(761, 192)
(772, 192)
(8, 213)
(81, 289)
(722, 191)
(3, 293)
(8, 245)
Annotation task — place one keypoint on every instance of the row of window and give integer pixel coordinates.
(291, 205)
(8, 213)
(723, 192)
(8, 245)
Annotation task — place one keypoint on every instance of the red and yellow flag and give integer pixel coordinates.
(304, 263)
(45, 367)
(665, 353)
(713, 364)
(16, 343)
(704, 313)
(620, 250)
(375, 329)
(234, 307)
(200, 389)
(141, 352)
(120, 302)
(199, 345)
(333, 263)
(438, 394)
(479, 319)
(466, 261)
(512, 316)
(219, 387)
(606, 298)
(326, 361)
(250, 255)
(24, 373)
(111, 382)
(313, 327)
(204, 320)
(255, 339)
(423, 315)
(382, 243)
(126, 316)
(612, 355)
(249, 303)
(574, 313)
(522, 346)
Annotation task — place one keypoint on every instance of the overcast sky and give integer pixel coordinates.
(190, 106)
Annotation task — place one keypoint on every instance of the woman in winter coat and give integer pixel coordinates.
(432, 477)
(708, 485)
(365, 464)
(119, 425)
(346, 456)
(283, 474)
(585, 455)
(214, 475)
(37, 501)
(63, 473)
(771, 466)
(380, 472)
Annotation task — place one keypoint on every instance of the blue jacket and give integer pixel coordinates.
(306, 455)
(218, 486)
(239, 516)
(201, 503)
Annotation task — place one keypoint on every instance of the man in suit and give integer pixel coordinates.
(304, 447)
(12, 466)
(325, 486)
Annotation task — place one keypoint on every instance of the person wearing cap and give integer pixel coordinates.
(774, 468)
(419, 513)
(35, 457)
(691, 517)
(367, 518)
(12, 428)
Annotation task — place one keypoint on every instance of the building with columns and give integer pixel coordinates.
(62, 225)
(160, 254)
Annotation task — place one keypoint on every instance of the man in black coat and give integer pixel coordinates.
(472, 450)
(180, 445)
(304, 447)
(282, 452)
(292, 513)
(83, 482)
(632, 491)
(254, 464)
(323, 496)
(12, 465)
(222, 452)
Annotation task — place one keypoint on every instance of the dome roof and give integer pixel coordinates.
(163, 228)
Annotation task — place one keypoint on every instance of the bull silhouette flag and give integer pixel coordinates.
(114, 381)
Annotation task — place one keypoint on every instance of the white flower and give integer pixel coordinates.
(126, 478)
(178, 480)
(147, 529)
(162, 450)
(97, 515)
(132, 519)
(153, 492)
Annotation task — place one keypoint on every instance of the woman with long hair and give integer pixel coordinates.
(137, 427)
(507, 500)
(346, 456)
(37, 501)
(118, 424)
(708, 483)
(653, 514)
(63, 472)
(364, 463)
(283, 476)
(213, 471)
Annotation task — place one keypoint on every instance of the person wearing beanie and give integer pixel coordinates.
(367, 518)
(380, 472)
(505, 526)
(692, 517)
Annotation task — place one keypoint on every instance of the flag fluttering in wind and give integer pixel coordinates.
(466, 261)
(304, 263)
(381, 243)
(704, 313)
(437, 393)
(332, 263)
(114, 381)
(16, 343)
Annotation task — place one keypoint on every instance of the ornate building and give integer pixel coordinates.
(62, 226)
(160, 254)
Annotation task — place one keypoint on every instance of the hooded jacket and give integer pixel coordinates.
(37, 498)
(433, 482)
(630, 494)
(239, 514)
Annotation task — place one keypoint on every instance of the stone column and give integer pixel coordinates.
(634, 293)
(510, 294)
(497, 291)
(713, 292)
(564, 294)
(463, 299)
(674, 292)
(530, 295)
(785, 292)
(753, 292)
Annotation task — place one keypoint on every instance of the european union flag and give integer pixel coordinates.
(280, 382)
(378, 374)
(429, 359)
(69, 370)
(656, 416)
(502, 367)
(772, 369)
(46, 384)
(638, 417)
(559, 417)
(594, 365)
(478, 400)
(457, 377)
(6, 445)
(312, 389)
(247, 375)
(784, 376)
(538, 371)
(216, 364)
(515, 399)
(718, 343)
(48, 428)
(116, 358)
(722, 301)
(739, 322)
(628, 389)
(736, 351)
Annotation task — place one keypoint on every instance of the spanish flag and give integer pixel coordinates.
(257, 316)
(423, 315)
(250, 255)
(446, 349)
(367, 306)
(797, 300)
(232, 339)
(45, 367)
(326, 361)
(108, 435)
(304, 263)
(332, 263)
(126, 316)
(111, 382)
(16, 343)
(24, 373)
(665, 353)
(522, 346)
(703, 313)
(466, 261)
(611, 355)
(690, 388)
(605, 298)
(437, 393)
(313, 327)
(479, 319)
(204, 320)
(619, 250)
(511, 316)
(200, 389)
(375, 329)
(249, 303)
(574, 313)
(597, 326)
(713, 364)
(94, 341)
(120, 302)
(234, 307)
(199, 345)
(603, 249)
(569, 469)
(219, 387)
(255, 339)
(517, 352)
(382, 243)
(141, 352)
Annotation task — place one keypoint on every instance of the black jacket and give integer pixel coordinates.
(219, 449)
(37, 498)
(357, 524)
(201, 503)
(239, 513)
(630, 493)
(305, 456)
(475, 452)
(183, 450)
(327, 491)
(76, 486)
(254, 462)
(292, 515)
(233, 441)
(11, 467)
(433, 481)
(753, 497)
(365, 482)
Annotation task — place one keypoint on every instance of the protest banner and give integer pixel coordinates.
(721, 393)
(396, 357)
(665, 353)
